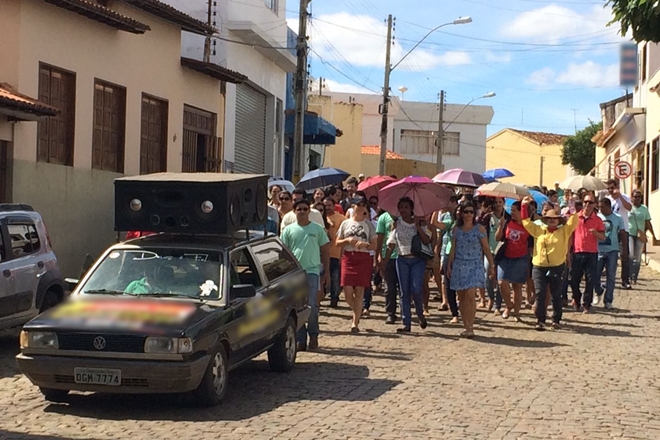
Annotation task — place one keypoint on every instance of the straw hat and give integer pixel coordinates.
(552, 213)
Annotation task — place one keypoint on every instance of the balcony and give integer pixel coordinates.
(263, 43)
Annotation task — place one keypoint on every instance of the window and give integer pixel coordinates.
(417, 142)
(4, 172)
(655, 164)
(56, 133)
(108, 139)
(275, 260)
(3, 255)
(272, 5)
(24, 239)
(643, 61)
(243, 270)
(153, 136)
(452, 145)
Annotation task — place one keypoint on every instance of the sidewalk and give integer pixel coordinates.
(652, 257)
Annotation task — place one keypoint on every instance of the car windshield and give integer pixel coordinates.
(158, 272)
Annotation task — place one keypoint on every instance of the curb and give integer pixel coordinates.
(654, 264)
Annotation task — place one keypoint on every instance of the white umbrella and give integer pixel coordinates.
(503, 190)
(589, 183)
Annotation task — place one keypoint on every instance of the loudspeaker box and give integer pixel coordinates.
(191, 203)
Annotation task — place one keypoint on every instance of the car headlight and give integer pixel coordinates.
(39, 339)
(158, 344)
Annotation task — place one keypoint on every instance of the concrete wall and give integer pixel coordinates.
(652, 133)
(346, 154)
(523, 158)
(77, 202)
(399, 167)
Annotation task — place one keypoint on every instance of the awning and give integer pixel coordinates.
(104, 15)
(213, 70)
(22, 107)
(317, 131)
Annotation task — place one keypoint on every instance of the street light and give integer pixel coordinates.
(487, 95)
(386, 85)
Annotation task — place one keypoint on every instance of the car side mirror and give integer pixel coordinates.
(71, 283)
(243, 291)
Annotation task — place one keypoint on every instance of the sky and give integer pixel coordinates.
(550, 63)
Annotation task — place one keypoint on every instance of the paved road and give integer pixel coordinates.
(597, 379)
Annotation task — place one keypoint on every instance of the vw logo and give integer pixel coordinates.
(99, 342)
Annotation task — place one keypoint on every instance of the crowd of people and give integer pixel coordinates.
(481, 255)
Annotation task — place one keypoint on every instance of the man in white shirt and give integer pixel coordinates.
(621, 205)
(314, 215)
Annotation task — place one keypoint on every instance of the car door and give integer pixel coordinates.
(243, 270)
(25, 269)
(7, 284)
(283, 274)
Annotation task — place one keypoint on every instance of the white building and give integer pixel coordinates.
(252, 40)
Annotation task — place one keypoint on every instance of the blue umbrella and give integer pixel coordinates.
(322, 177)
(497, 173)
(539, 197)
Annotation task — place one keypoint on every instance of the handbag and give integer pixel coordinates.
(500, 249)
(421, 250)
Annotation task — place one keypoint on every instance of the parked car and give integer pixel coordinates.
(170, 313)
(31, 281)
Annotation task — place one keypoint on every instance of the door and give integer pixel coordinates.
(7, 289)
(4, 172)
(153, 136)
(250, 150)
(200, 148)
(26, 267)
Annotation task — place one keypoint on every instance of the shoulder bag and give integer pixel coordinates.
(500, 249)
(421, 250)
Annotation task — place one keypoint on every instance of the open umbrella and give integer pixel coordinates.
(504, 190)
(497, 173)
(322, 177)
(372, 185)
(539, 198)
(460, 177)
(427, 196)
(286, 185)
(589, 183)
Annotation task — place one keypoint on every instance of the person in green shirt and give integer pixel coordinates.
(311, 246)
(639, 220)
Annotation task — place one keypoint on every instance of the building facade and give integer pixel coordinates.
(127, 103)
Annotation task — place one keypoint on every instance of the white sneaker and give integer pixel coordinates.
(596, 300)
(609, 306)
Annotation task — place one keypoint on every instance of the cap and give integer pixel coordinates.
(361, 175)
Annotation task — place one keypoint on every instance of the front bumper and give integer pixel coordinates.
(137, 377)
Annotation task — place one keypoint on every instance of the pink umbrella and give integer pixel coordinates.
(460, 177)
(372, 185)
(427, 196)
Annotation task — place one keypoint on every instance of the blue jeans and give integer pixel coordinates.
(635, 250)
(366, 300)
(608, 261)
(492, 287)
(312, 325)
(335, 272)
(584, 263)
(411, 278)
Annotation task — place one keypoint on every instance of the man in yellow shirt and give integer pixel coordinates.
(549, 260)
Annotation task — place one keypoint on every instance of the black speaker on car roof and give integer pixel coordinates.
(194, 203)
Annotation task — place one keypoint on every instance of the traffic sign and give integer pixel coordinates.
(622, 170)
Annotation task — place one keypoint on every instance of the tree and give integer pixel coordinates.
(579, 151)
(642, 17)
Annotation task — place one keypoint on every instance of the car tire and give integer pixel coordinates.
(50, 300)
(53, 395)
(213, 387)
(282, 355)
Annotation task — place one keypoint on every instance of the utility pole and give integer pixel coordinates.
(300, 93)
(541, 176)
(321, 82)
(207, 41)
(440, 141)
(386, 98)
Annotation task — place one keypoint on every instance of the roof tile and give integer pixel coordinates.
(374, 150)
(541, 137)
(17, 101)
(102, 14)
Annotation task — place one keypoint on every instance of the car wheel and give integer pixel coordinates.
(282, 355)
(51, 299)
(53, 395)
(213, 387)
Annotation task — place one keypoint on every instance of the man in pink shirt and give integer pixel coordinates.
(589, 231)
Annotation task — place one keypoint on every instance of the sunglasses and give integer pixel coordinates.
(302, 209)
(285, 199)
(589, 202)
(469, 211)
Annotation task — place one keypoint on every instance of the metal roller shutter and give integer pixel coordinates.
(249, 156)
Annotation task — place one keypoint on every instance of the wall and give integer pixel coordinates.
(346, 154)
(76, 202)
(652, 198)
(523, 158)
(399, 167)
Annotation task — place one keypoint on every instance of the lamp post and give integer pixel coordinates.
(386, 85)
(441, 128)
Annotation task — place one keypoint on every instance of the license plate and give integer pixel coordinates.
(97, 376)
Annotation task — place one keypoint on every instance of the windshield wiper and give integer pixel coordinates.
(168, 295)
(106, 291)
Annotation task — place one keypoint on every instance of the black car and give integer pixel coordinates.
(170, 313)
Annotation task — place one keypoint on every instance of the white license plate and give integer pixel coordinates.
(97, 376)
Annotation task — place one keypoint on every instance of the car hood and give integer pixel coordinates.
(169, 317)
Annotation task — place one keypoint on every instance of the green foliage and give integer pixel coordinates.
(579, 151)
(642, 17)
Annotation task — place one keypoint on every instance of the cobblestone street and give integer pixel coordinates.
(595, 379)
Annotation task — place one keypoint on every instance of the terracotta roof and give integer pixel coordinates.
(102, 14)
(213, 70)
(542, 138)
(173, 15)
(374, 150)
(13, 102)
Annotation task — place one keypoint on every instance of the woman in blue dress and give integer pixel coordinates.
(465, 268)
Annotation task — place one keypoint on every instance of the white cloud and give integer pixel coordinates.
(553, 23)
(588, 74)
(359, 40)
(504, 57)
(335, 86)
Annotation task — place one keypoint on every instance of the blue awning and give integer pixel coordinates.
(317, 131)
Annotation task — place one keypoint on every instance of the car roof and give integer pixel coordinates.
(200, 241)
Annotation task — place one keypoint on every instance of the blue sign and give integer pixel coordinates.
(628, 69)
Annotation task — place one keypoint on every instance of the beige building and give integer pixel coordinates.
(533, 157)
(127, 103)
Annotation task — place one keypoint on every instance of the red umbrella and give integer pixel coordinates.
(428, 197)
(372, 185)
